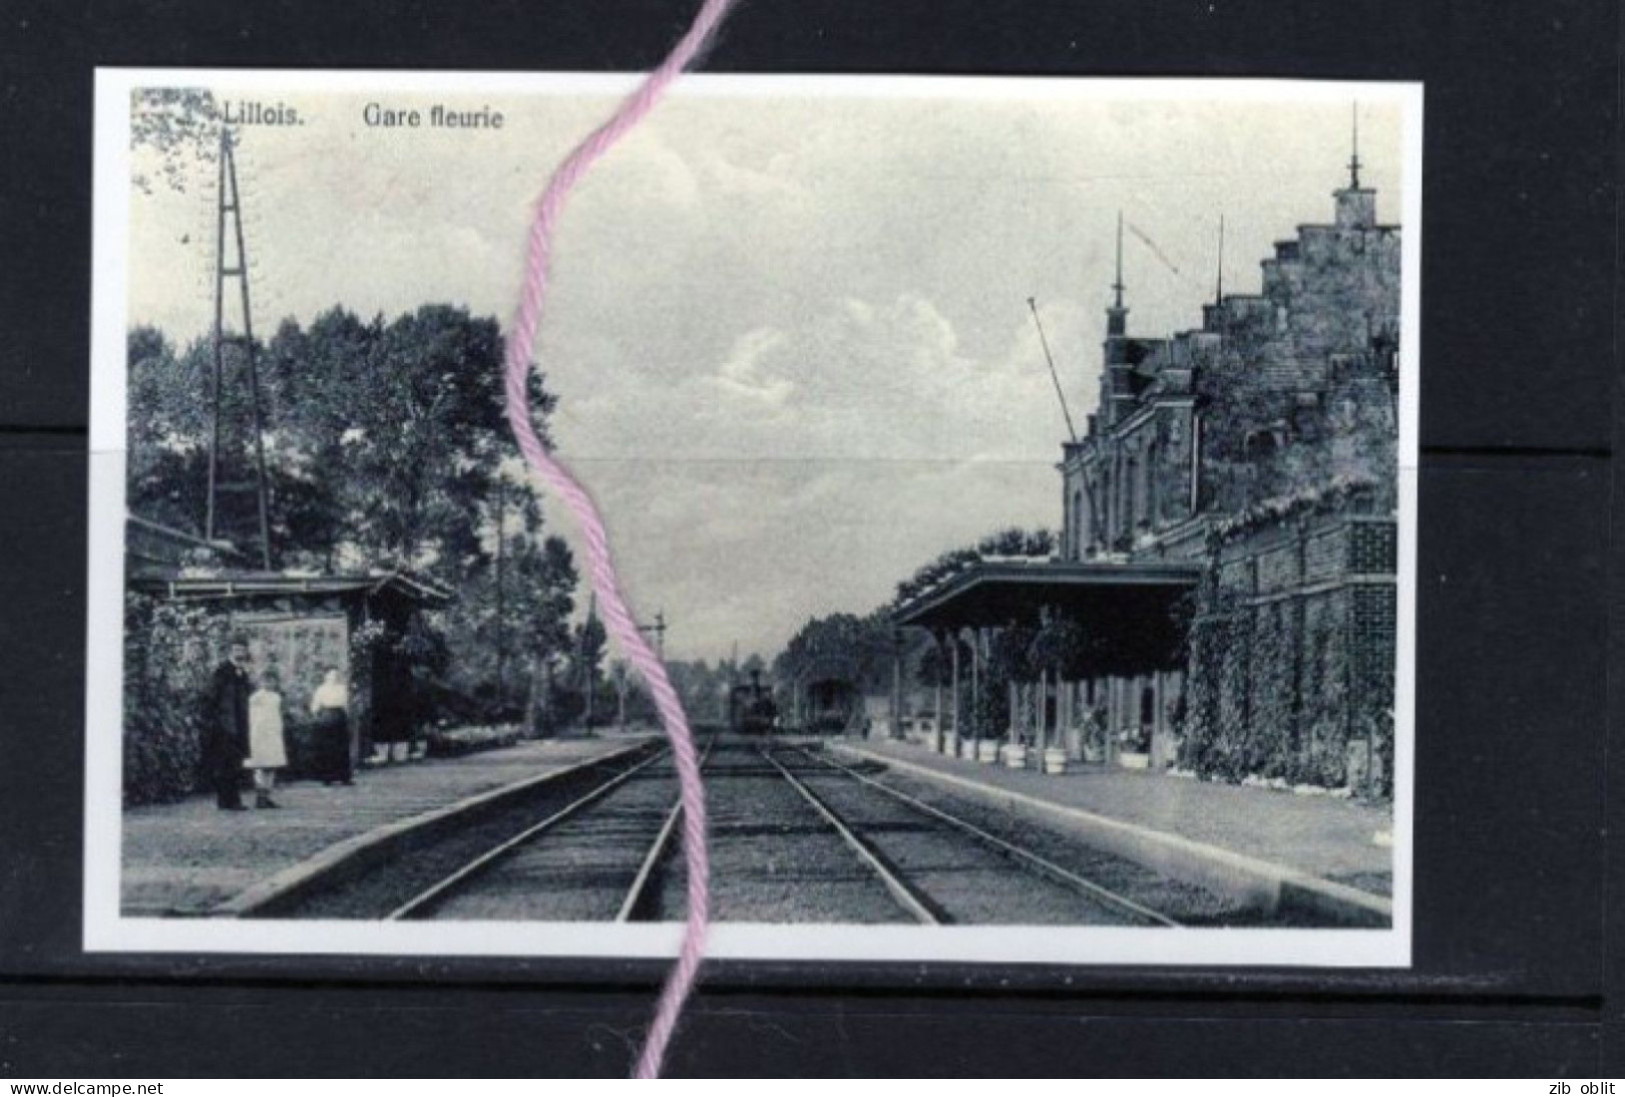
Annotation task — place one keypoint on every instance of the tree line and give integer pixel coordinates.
(385, 446)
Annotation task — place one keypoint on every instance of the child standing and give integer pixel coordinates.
(267, 752)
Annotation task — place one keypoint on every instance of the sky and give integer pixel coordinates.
(789, 331)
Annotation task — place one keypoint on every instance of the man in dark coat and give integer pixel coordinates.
(226, 743)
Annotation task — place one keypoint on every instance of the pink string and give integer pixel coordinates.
(601, 569)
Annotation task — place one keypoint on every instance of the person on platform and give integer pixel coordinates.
(226, 730)
(267, 751)
(330, 706)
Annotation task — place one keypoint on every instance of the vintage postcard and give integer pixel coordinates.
(1017, 477)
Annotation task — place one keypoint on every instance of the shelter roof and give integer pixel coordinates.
(1131, 606)
(179, 583)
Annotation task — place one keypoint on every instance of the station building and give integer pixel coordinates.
(1224, 595)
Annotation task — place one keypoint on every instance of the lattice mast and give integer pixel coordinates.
(229, 207)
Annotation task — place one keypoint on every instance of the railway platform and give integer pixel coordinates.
(1316, 838)
(190, 858)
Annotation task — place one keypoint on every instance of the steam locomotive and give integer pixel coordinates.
(751, 710)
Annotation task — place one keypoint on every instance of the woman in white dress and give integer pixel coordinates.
(329, 705)
(267, 751)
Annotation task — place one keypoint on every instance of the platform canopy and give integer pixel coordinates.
(1128, 607)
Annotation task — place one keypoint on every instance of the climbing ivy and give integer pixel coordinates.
(1266, 702)
(169, 653)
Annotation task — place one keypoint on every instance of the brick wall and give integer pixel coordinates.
(1373, 548)
(1292, 654)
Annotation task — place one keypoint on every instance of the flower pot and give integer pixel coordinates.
(1015, 755)
(1134, 760)
(1054, 760)
(950, 746)
(967, 749)
(987, 751)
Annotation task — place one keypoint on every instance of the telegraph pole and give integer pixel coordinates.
(229, 206)
(658, 629)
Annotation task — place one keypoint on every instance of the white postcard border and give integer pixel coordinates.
(107, 930)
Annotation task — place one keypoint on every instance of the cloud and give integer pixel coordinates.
(884, 381)
(741, 373)
(810, 468)
(745, 551)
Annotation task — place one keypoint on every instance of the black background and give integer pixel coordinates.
(1517, 963)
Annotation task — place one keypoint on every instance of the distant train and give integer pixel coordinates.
(751, 710)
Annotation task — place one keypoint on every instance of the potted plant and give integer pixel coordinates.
(1093, 735)
(1055, 760)
(1015, 752)
(1134, 748)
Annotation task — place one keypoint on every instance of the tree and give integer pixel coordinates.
(700, 687)
(180, 127)
(383, 441)
(168, 453)
(544, 589)
(401, 427)
(509, 623)
(590, 642)
(169, 430)
(840, 648)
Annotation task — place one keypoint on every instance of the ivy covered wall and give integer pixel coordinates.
(169, 650)
(1291, 652)
(172, 647)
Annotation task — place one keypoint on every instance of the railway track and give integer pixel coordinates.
(795, 837)
(598, 826)
(595, 859)
(773, 858)
(927, 858)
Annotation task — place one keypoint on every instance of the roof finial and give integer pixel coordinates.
(1354, 160)
(1117, 286)
(1218, 288)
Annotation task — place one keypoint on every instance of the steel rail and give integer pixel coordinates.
(634, 894)
(419, 903)
(1040, 864)
(910, 898)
